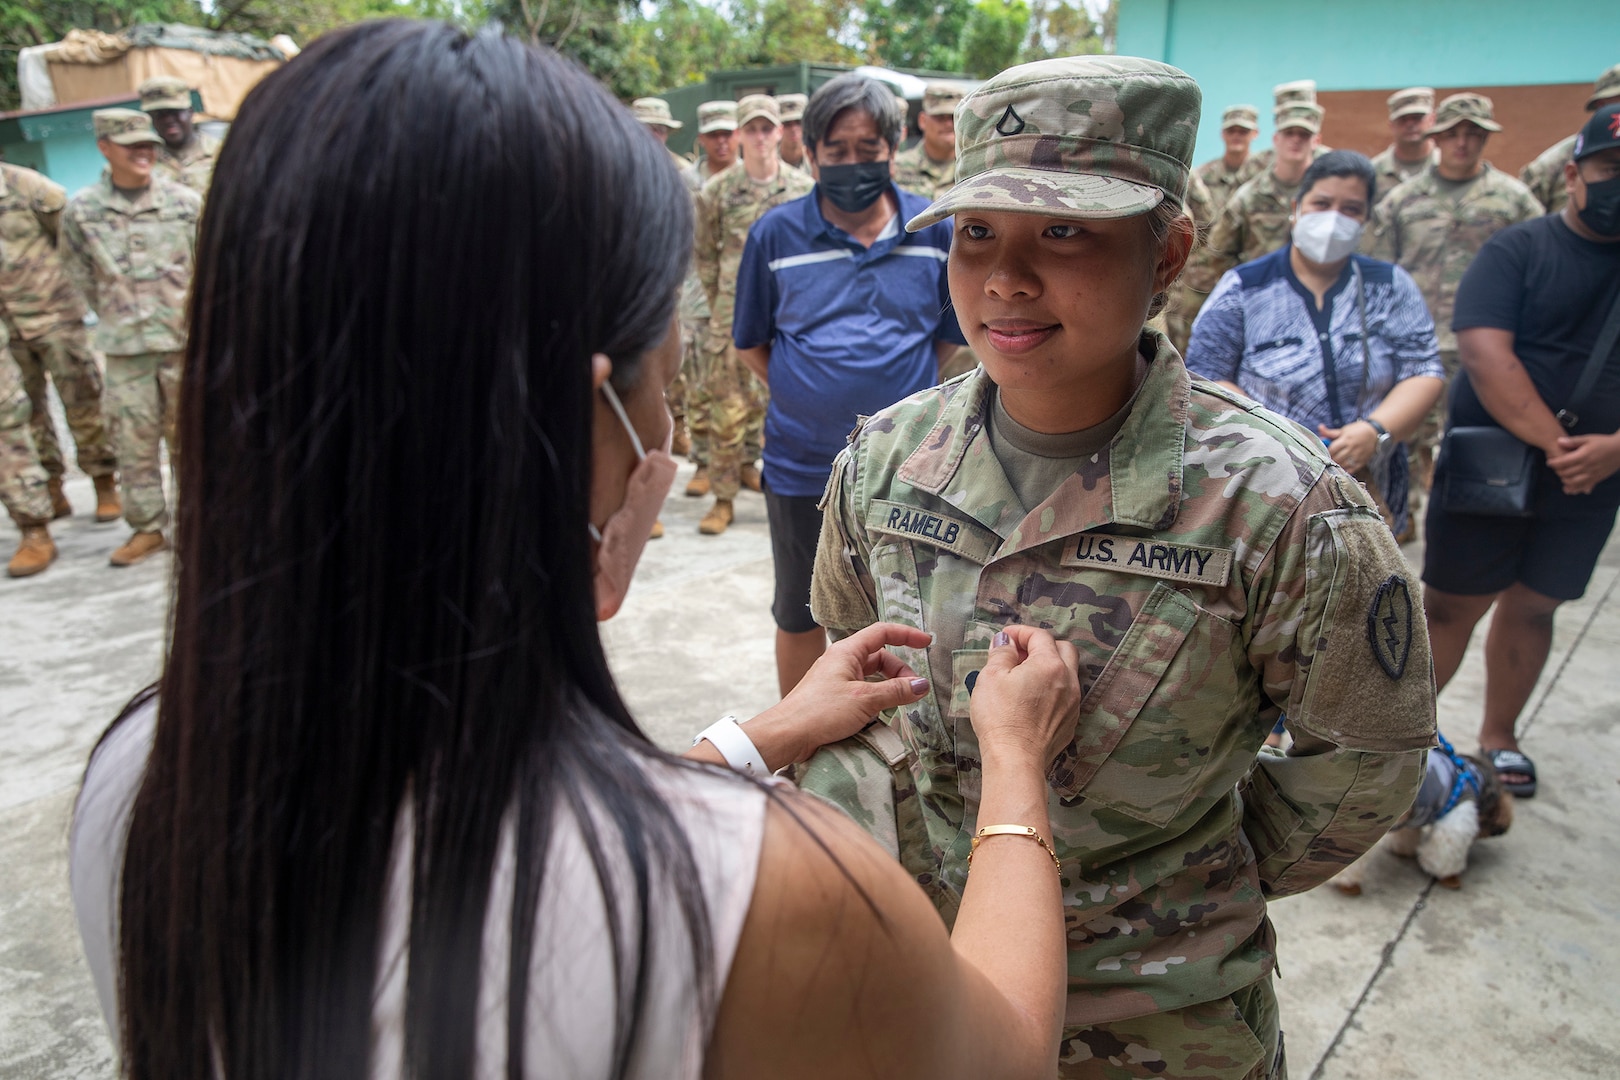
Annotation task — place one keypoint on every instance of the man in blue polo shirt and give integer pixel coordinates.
(840, 312)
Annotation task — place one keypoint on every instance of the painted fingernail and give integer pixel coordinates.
(919, 686)
(1000, 639)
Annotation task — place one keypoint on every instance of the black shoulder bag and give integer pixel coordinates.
(1488, 471)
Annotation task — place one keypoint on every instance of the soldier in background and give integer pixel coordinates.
(1545, 175)
(791, 151)
(1432, 226)
(1298, 92)
(1222, 176)
(717, 138)
(929, 168)
(187, 155)
(727, 208)
(1411, 111)
(1255, 221)
(1182, 302)
(654, 114)
(127, 242)
(43, 314)
(22, 480)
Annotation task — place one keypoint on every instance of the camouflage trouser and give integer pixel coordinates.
(143, 398)
(1235, 1038)
(22, 479)
(1424, 447)
(736, 419)
(64, 354)
(696, 391)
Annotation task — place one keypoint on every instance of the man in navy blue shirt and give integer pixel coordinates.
(840, 312)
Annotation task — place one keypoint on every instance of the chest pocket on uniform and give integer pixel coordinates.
(1154, 718)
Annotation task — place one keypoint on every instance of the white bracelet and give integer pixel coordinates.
(735, 746)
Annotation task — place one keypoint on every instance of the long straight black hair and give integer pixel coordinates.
(414, 241)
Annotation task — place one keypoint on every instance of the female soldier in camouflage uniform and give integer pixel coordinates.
(1211, 565)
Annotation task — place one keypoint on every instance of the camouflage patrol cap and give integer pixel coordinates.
(164, 92)
(654, 111)
(717, 116)
(1298, 114)
(792, 106)
(1606, 87)
(1303, 90)
(941, 99)
(1413, 101)
(1073, 137)
(1241, 116)
(757, 105)
(126, 127)
(1475, 108)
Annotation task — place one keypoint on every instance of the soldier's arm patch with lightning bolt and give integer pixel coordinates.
(1389, 625)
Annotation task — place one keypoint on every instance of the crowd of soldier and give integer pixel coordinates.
(121, 249)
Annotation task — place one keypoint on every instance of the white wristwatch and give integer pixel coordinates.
(728, 737)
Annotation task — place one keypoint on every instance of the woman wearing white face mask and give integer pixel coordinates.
(1335, 341)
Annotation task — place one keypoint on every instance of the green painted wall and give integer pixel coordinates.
(1239, 49)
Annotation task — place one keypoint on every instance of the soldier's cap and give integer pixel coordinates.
(941, 99)
(717, 116)
(1413, 101)
(756, 105)
(1607, 86)
(1303, 90)
(164, 92)
(1241, 116)
(126, 127)
(1298, 114)
(1073, 137)
(792, 106)
(655, 111)
(1602, 132)
(1475, 108)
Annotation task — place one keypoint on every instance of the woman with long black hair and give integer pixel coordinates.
(385, 814)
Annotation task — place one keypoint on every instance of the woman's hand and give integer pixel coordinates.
(1353, 445)
(834, 700)
(1026, 698)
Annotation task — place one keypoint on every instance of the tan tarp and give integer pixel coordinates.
(92, 66)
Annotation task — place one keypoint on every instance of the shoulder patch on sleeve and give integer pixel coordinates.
(1389, 625)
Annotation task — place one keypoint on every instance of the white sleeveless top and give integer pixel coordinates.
(569, 1017)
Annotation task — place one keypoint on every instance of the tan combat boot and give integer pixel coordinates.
(35, 553)
(60, 507)
(681, 443)
(138, 547)
(751, 479)
(698, 486)
(657, 531)
(108, 506)
(720, 515)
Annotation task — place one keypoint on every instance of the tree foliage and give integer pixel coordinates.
(993, 36)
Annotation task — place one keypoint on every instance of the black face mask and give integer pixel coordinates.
(852, 188)
(1602, 213)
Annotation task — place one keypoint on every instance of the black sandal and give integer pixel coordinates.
(1512, 761)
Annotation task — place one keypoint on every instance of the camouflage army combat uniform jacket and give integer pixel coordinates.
(1213, 569)
(36, 295)
(1545, 175)
(1391, 171)
(192, 166)
(132, 260)
(920, 174)
(1435, 236)
(1223, 182)
(1253, 223)
(727, 208)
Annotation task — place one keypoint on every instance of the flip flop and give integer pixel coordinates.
(1512, 761)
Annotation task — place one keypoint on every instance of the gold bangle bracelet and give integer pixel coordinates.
(1012, 830)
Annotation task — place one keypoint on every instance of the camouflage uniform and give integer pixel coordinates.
(1434, 233)
(23, 489)
(1222, 183)
(1254, 223)
(1183, 303)
(1545, 175)
(192, 165)
(1393, 172)
(132, 259)
(44, 315)
(1214, 570)
(727, 208)
(915, 171)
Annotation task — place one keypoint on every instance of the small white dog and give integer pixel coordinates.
(1461, 800)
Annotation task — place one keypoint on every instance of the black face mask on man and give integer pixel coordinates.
(852, 188)
(1601, 213)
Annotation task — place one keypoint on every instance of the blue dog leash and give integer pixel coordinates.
(1464, 777)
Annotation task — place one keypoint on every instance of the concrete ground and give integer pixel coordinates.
(1513, 975)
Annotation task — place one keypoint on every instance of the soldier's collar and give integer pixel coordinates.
(1145, 458)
